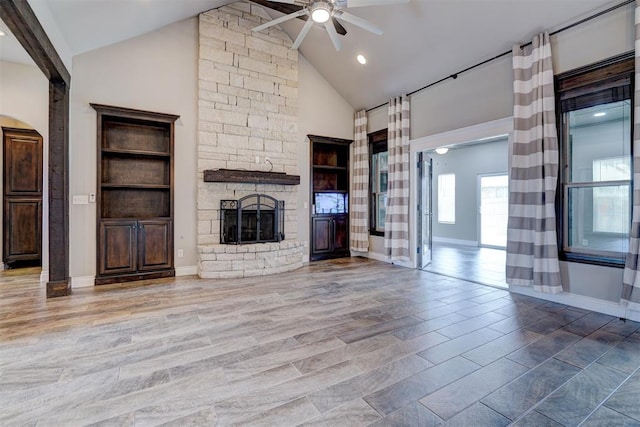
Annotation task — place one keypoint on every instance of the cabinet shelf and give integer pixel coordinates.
(331, 191)
(137, 153)
(326, 167)
(135, 186)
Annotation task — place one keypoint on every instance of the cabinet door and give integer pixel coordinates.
(322, 235)
(22, 163)
(155, 245)
(118, 247)
(22, 229)
(340, 233)
(22, 172)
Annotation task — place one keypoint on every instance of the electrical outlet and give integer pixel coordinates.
(92, 197)
(257, 160)
(585, 242)
(180, 253)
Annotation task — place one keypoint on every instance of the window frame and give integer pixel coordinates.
(377, 144)
(601, 83)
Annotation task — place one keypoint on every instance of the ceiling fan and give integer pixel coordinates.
(325, 12)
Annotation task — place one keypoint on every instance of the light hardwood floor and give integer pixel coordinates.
(345, 342)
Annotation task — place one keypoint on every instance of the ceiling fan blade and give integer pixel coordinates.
(338, 26)
(362, 3)
(333, 35)
(357, 21)
(301, 35)
(280, 20)
(285, 8)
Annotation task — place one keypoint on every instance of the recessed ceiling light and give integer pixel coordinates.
(600, 114)
(2, 33)
(361, 59)
(442, 150)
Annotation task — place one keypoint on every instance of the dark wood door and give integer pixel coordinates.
(322, 235)
(155, 245)
(118, 240)
(22, 229)
(340, 233)
(22, 193)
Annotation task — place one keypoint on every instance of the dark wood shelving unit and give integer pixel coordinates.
(329, 197)
(135, 194)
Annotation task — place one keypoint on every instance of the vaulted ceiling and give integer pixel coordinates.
(423, 40)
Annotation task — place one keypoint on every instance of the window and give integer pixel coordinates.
(447, 198)
(596, 169)
(379, 171)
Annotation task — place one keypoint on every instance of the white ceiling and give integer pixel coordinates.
(424, 40)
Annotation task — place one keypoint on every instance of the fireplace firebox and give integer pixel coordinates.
(257, 218)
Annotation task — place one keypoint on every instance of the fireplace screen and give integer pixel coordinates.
(253, 219)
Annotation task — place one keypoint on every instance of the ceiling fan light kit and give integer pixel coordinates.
(320, 11)
(327, 13)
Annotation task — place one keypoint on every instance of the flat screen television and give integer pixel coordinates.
(328, 203)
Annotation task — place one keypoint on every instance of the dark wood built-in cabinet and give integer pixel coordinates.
(135, 194)
(329, 197)
(22, 196)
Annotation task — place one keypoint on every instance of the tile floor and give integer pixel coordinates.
(480, 265)
(338, 343)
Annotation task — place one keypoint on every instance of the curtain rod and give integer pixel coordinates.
(479, 64)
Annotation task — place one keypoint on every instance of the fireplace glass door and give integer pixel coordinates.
(253, 219)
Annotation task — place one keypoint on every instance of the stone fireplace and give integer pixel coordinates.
(247, 127)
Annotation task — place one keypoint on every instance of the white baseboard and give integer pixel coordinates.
(455, 241)
(381, 257)
(44, 276)
(83, 282)
(593, 304)
(373, 255)
(189, 270)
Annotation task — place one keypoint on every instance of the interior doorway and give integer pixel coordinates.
(463, 210)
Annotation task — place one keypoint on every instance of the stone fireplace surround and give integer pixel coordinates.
(248, 109)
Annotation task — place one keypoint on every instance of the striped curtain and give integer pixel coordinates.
(396, 226)
(359, 211)
(631, 276)
(532, 252)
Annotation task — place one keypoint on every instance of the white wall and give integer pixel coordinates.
(322, 111)
(24, 96)
(155, 72)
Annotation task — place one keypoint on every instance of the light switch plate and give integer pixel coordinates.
(81, 199)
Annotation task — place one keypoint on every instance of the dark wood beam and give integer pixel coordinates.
(250, 177)
(23, 23)
(58, 284)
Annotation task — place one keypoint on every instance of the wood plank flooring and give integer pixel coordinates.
(346, 342)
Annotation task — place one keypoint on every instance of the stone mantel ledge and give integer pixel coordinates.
(218, 261)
